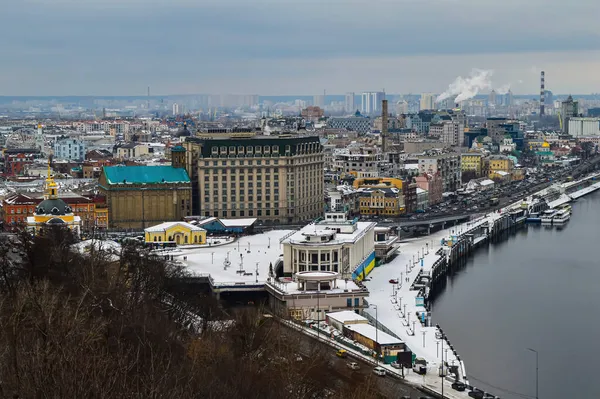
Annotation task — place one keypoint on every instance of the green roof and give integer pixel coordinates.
(178, 148)
(145, 175)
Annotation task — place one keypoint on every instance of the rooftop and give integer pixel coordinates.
(367, 330)
(145, 175)
(344, 316)
(167, 225)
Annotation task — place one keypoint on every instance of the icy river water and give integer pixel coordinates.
(538, 289)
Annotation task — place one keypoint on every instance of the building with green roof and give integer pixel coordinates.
(141, 196)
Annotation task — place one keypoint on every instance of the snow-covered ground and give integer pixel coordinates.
(257, 251)
(390, 308)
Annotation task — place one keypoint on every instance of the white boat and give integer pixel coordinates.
(565, 207)
(561, 216)
(547, 216)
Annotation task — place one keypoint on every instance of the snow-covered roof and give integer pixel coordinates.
(345, 316)
(411, 166)
(238, 222)
(361, 229)
(367, 330)
(167, 225)
(420, 190)
(502, 173)
(486, 182)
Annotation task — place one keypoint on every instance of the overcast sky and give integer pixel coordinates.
(279, 47)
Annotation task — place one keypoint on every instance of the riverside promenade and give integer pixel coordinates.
(396, 305)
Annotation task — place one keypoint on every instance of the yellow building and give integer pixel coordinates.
(180, 233)
(380, 201)
(53, 211)
(378, 182)
(472, 162)
(499, 163)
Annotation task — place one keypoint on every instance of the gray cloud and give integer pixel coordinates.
(88, 47)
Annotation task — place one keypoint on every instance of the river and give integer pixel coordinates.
(538, 289)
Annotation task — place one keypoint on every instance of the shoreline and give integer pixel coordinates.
(417, 259)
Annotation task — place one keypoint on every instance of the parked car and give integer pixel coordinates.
(395, 365)
(393, 281)
(353, 366)
(459, 386)
(380, 371)
(342, 353)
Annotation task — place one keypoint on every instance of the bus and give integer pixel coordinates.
(494, 201)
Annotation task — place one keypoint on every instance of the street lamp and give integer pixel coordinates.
(424, 332)
(536, 372)
(376, 335)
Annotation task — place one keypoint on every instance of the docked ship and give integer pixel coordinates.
(547, 216)
(562, 215)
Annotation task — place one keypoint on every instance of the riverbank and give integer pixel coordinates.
(398, 305)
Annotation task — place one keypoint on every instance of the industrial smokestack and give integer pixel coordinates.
(542, 93)
(384, 124)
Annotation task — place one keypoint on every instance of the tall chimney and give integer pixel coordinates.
(384, 125)
(542, 93)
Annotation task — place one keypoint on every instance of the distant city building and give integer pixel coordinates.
(584, 127)
(492, 98)
(349, 103)
(594, 112)
(313, 113)
(357, 123)
(427, 102)
(319, 101)
(69, 149)
(175, 109)
(569, 109)
(402, 107)
(371, 102)
(449, 132)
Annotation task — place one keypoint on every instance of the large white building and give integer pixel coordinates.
(371, 102)
(584, 127)
(323, 264)
(334, 244)
(69, 149)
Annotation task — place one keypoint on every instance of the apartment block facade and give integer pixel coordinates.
(277, 180)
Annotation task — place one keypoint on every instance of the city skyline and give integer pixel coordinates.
(281, 47)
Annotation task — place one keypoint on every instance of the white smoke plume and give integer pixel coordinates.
(502, 90)
(469, 87)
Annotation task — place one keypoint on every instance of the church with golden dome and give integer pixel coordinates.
(53, 211)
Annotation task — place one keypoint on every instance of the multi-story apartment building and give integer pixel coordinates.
(69, 149)
(472, 162)
(449, 132)
(274, 179)
(432, 183)
(427, 101)
(371, 102)
(360, 163)
(448, 165)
